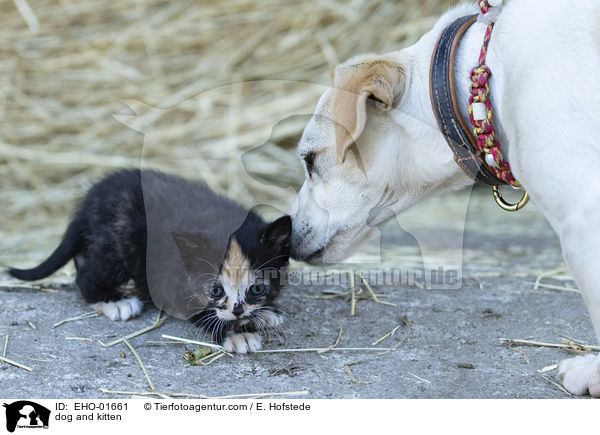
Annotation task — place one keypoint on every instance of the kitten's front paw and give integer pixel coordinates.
(581, 375)
(123, 309)
(243, 343)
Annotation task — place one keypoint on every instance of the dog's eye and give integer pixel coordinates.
(258, 290)
(217, 292)
(309, 159)
(377, 100)
(379, 103)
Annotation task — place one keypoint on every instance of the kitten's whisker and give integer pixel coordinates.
(264, 321)
(272, 328)
(197, 296)
(209, 263)
(200, 311)
(269, 329)
(212, 328)
(200, 307)
(209, 274)
(259, 318)
(221, 332)
(215, 331)
(203, 309)
(194, 321)
(203, 322)
(206, 324)
(254, 323)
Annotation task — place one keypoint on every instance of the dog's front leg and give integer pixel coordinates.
(581, 244)
(581, 374)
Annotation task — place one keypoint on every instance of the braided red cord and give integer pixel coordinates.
(484, 129)
(484, 6)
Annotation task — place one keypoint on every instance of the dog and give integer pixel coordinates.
(375, 129)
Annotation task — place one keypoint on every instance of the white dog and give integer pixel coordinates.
(545, 60)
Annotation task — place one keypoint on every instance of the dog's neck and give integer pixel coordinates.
(466, 58)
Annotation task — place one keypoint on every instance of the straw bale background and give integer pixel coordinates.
(68, 67)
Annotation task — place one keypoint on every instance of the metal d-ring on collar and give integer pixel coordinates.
(507, 205)
(467, 153)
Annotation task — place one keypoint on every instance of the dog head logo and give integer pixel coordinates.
(26, 414)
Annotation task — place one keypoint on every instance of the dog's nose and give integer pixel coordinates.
(238, 309)
(296, 247)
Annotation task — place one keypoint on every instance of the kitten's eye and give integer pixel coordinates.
(258, 290)
(217, 292)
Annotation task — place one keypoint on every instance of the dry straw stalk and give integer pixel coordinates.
(229, 75)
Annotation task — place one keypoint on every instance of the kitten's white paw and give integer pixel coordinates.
(581, 374)
(123, 309)
(243, 343)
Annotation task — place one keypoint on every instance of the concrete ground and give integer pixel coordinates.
(451, 351)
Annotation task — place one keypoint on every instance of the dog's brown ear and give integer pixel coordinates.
(373, 78)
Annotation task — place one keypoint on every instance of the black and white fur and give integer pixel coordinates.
(182, 245)
(249, 280)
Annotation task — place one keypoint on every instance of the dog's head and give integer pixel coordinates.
(370, 151)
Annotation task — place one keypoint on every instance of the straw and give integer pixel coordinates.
(76, 318)
(567, 344)
(5, 346)
(16, 364)
(63, 97)
(157, 324)
(201, 396)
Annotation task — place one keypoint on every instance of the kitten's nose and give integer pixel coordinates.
(237, 309)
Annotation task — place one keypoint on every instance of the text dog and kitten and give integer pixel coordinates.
(198, 255)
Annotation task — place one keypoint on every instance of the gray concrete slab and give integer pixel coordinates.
(452, 351)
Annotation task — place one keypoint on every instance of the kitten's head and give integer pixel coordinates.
(249, 278)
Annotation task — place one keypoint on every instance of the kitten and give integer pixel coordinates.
(198, 255)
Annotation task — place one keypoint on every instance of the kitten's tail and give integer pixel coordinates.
(67, 249)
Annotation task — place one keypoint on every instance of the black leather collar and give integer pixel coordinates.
(446, 109)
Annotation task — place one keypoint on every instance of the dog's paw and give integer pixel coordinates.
(243, 343)
(581, 375)
(120, 310)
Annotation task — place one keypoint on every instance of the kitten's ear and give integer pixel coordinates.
(193, 248)
(277, 234)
